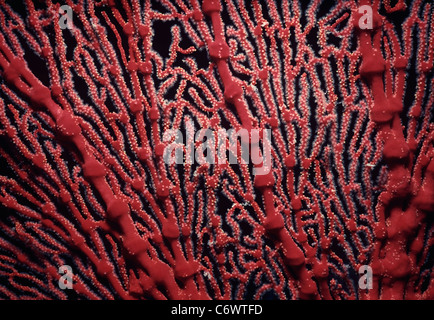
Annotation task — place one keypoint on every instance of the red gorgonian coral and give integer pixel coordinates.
(83, 111)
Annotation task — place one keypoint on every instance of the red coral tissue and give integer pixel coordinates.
(88, 90)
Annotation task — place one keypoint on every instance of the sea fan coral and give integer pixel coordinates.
(89, 89)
